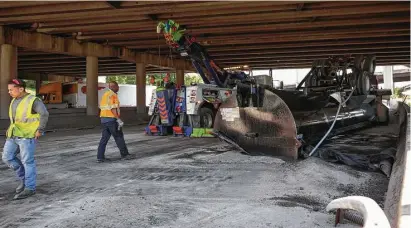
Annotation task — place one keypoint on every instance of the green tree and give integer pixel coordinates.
(121, 79)
(30, 86)
(397, 93)
(160, 76)
(192, 78)
(131, 80)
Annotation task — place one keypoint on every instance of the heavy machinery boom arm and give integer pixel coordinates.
(186, 45)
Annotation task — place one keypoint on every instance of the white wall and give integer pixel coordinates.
(294, 76)
(102, 79)
(288, 76)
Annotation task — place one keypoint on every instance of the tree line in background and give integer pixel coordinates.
(131, 80)
(30, 86)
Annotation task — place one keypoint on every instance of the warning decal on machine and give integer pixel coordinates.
(229, 114)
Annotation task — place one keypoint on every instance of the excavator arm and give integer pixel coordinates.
(186, 45)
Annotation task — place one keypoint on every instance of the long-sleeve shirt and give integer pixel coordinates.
(38, 107)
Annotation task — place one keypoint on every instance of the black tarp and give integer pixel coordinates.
(362, 154)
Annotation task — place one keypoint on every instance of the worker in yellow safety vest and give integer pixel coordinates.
(111, 123)
(28, 119)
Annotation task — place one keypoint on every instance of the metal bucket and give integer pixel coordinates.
(266, 130)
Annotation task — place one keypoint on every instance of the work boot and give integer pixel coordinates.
(24, 194)
(126, 157)
(20, 188)
(103, 160)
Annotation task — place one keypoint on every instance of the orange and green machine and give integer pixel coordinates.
(169, 112)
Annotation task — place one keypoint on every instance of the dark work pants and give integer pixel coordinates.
(111, 129)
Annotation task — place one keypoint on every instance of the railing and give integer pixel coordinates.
(398, 199)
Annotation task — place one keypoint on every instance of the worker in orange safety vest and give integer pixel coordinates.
(111, 123)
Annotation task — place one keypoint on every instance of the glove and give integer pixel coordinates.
(120, 124)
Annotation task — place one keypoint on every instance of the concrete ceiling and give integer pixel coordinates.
(258, 34)
(58, 64)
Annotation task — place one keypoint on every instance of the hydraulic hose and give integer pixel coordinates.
(332, 125)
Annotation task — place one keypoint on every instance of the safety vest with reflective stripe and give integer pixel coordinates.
(108, 102)
(25, 123)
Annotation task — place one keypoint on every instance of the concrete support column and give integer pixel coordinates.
(38, 83)
(388, 78)
(8, 71)
(92, 86)
(141, 88)
(180, 77)
(296, 77)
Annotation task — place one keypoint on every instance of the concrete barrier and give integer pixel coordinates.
(398, 197)
(77, 119)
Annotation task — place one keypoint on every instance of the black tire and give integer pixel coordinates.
(363, 83)
(352, 79)
(369, 64)
(206, 117)
(358, 61)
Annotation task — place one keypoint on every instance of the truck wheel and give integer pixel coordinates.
(369, 64)
(363, 85)
(364, 80)
(206, 117)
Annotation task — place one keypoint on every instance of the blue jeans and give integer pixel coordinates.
(26, 167)
(111, 129)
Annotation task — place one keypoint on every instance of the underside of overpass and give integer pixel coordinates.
(187, 182)
(258, 34)
(44, 40)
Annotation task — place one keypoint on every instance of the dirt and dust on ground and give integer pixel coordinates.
(177, 182)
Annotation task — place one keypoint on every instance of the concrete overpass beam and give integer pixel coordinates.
(8, 71)
(141, 88)
(180, 77)
(92, 85)
(54, 44)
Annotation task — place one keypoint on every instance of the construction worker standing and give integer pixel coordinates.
(111, 123)
(28, 119)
